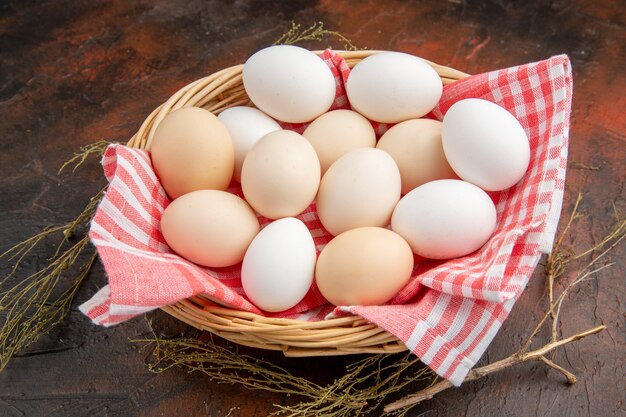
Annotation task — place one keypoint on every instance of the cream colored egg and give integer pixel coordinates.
(338, 132)
(280, 175)
(191, 150)
(364, 266)
(416, 147)
(360, 189)
(209, 227)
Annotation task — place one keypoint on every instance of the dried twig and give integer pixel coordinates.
(370, 381)
(315, 32)
(555, 267)
(571, 378)
(361, 389)
(535, 355)
(96, 148)
(581, 165)
(32, 306)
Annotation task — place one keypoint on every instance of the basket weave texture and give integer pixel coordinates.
(337, 336)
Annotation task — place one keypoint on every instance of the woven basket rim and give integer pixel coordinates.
(337, 336)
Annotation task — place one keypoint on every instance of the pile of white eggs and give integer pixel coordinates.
(420, 189)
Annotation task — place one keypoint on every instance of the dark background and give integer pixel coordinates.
(73, 72)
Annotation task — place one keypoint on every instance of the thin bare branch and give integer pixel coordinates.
(537, 354)
(571, 378)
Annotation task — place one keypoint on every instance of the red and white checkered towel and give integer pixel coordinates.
(447, 314)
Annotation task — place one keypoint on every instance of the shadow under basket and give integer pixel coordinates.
(338, 336)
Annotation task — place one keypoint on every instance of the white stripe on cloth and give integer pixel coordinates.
(130, 228)
(138, 182)
(129, 310)
(431, 321)
(96, 300)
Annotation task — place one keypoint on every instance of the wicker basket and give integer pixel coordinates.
(339, 336)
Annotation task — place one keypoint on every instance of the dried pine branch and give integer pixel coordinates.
(361, 389)
(315, 32)
(32, 306)
(96, 148)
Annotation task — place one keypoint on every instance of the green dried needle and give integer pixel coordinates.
(32, 306)
(314, 33)
(361, 390)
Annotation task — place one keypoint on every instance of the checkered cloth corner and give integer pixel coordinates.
(449, 311)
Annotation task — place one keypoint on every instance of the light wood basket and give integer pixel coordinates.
(339, 336)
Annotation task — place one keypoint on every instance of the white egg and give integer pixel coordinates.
(445, 219)
(289, 83)
(391, 87)
(278, 267)
(246, 126)
(485, 144)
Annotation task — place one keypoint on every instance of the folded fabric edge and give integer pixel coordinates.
(426, 344)
(464, 363)
(546, 241)
(461, 365)
(101, 312)
(109, 161)
(97, 307)
(562, 63)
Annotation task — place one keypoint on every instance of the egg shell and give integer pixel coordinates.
(191, 150)
(360, 189)
(277, 270)
(289, 83)
(338, 132)
(445, 219)
(364, 266)
(485, 144)
(246, 125)
(416, 147)
(280, 175)
(391, 87)
(209, 227)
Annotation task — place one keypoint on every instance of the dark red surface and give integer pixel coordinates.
(73, 72)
